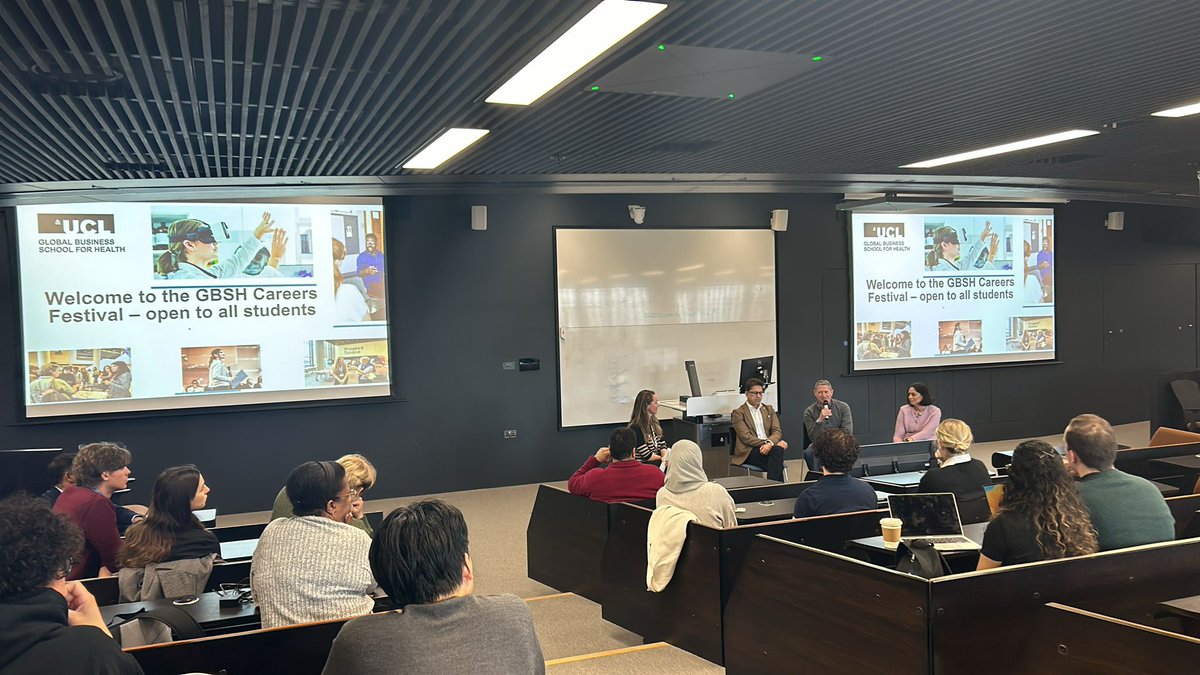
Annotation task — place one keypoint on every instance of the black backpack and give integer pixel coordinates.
(919, 557)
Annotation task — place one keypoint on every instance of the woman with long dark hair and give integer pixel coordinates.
(122, 381)
(651, 446)
(169, 533)
(1041, 516)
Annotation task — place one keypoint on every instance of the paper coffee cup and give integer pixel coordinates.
(890, 527)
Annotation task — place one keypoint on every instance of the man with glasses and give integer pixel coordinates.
(758, 438)
(313, 566)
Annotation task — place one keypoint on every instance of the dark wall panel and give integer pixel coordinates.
(466, 301)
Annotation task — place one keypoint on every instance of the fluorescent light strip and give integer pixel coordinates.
(1182, 111)
(449, 144)
(1000, 149)
(606, 25)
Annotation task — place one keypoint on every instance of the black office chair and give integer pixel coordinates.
(1187, 392)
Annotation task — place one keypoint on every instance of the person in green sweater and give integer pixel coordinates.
(360, 475)
(1126, 510)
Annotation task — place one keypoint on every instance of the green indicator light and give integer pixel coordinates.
(731, 96)
(818, 58)
(595, 87)
(662, 48)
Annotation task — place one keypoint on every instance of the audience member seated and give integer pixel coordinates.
(100, 469)
(836, 491)
(169, 554)
(687, 487)
(421, 559)
(1041, 516)
(313, 566)
(49, 625)
(757, 434)
(1126, 510)
(625, 480)
(650, 445)
(58, 472)
(360, 474)
(918, 420)
(958, 472)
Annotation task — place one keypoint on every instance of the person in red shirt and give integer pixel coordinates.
(100, 470)
(625, 479)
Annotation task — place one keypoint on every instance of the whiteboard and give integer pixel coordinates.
(633, 305)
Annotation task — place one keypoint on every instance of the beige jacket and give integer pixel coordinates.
(664, 542)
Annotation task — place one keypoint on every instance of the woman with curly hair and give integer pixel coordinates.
(171, 533)
(1041, 516)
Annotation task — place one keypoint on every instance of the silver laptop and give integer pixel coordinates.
(933, 517)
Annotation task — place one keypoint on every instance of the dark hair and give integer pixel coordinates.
(641, 418)
(170, 511)
(61, 464)
(942, 235)
(1093, 439)
(621, 442)
(312, 485)
(755, 382)
(37, 546)
(923, 390)
(1040, 489)
(418, 553)
(836, 450)
(177, 232)
(94, 459)
(212, 356)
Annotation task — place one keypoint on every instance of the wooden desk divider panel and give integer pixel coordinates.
(297, 650)
(1182, 509)
(1071, 641)
(797, 609)
(688, 613)
(565, 541)
(973, 614)
(1134, 460)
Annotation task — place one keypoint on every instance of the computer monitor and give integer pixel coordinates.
(693, 378)
(759, 367)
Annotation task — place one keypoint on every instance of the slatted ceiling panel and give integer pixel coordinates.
(128, 89)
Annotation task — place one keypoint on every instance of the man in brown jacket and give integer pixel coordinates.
(757, 435)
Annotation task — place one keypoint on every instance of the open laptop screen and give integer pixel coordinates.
(926, 514)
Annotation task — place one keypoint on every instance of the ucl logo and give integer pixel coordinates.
(76, 223)
(883, 230)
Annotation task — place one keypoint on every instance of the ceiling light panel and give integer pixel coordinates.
(606, 25)
(1001, 149)
(450, 143)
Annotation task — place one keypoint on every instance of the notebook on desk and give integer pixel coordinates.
(933, 517)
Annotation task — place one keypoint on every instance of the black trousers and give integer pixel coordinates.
(772, 463)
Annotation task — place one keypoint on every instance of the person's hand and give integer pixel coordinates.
(987, 229)
(265, 226)
(992, 248)
(371, 270)
(782, 444)
(656, 457)
(603, 455)
(356, 508)
(765, 448)
(82, 609)
(279, 242)
(826, 413)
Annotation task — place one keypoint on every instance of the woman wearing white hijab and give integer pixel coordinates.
(687, 487)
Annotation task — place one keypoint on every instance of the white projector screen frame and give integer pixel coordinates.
(911, 307)
(633, 305)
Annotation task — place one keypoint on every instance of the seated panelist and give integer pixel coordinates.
(758, 438)
(919, 418)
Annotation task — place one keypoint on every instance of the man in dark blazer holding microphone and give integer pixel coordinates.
(757, 435)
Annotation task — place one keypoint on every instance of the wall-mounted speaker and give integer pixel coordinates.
(478, 217)
(1115, 220)
(779, 220)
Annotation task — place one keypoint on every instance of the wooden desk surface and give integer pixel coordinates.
(874, 545)
(1190, 463)
(1166, 490)
(1188, 608)
(207, 612)
(734, 482)
(906, 480)
(761, 512)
